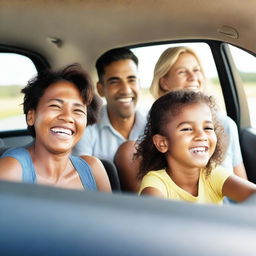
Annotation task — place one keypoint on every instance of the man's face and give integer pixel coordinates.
(120, 87)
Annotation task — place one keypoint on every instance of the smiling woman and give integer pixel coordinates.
(58, 106)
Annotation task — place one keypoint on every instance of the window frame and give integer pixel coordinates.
(40, 64)
(224, 71)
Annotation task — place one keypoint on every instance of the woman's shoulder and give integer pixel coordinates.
(10, 164)
(14, 151)
(99, 172)
(92, 161)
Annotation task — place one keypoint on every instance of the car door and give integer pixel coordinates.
(241, 71)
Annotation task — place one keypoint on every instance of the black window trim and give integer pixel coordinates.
(38, 60)
(40, 64)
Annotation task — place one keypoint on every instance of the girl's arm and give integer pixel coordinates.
(238, 188)
(99, 173)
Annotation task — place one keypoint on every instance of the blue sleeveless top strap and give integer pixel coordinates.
(29, 174)
(85, 173)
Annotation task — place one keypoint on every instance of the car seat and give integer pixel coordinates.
(112, 174)
(2, 147)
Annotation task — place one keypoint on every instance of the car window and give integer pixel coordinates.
(246, 65)
(148, 56)
(16, 70)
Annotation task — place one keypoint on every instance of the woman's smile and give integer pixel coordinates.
(60, 117)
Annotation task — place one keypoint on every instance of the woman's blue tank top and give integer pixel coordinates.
(29, 173)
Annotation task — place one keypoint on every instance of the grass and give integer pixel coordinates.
(10, 106)
(11, 91)
(10, 98)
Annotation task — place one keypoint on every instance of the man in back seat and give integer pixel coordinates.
(119, 121)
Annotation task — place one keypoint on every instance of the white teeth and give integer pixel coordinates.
(193, 87)
(125, 100)
(198, 150)
(62, 130)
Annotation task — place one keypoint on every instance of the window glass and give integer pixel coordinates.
(148, 57)
(246, 65)
(15, 71)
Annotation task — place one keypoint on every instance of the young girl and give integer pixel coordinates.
(180, 68)
(181, 149)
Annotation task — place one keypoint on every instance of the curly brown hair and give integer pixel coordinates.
(159, 115)
(73, 73)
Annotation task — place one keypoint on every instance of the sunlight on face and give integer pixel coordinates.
(120, 87)
(60, 117)
(190, 137)
(184, 74)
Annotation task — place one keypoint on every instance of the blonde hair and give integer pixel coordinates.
(165, 63)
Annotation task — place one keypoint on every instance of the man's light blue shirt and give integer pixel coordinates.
(102, 140)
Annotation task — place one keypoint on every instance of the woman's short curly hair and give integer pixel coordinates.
(72, 73)
(159, 115)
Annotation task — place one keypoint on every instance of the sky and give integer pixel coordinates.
(15, 69)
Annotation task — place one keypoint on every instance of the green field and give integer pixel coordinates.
(10, 91)
(10, 106)
(11, 98)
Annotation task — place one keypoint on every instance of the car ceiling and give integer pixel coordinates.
(86, 28)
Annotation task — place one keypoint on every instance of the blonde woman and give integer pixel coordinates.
(179, 68)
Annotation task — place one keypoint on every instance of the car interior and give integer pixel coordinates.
(35, 35)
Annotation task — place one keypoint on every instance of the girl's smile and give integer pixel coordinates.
(190, 137)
